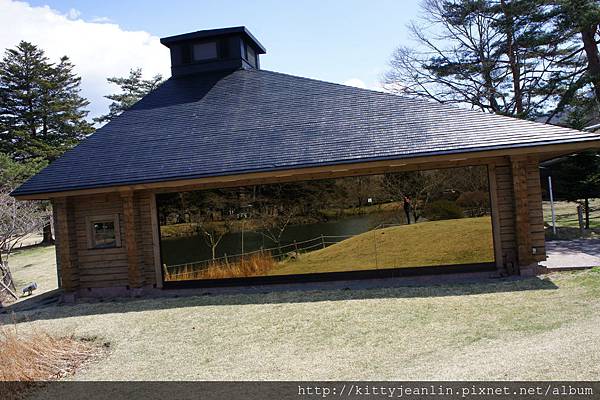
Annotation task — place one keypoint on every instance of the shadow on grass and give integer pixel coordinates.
(587, 246)
(264, 295)
(570, 233)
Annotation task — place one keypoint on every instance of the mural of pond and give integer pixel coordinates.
(352, 223)
(189, 249)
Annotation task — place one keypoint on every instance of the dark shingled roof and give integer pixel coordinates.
(256, 120)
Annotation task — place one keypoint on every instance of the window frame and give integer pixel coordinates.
(91, 233)
(250, 56)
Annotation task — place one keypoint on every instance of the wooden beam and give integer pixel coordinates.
(131, 245)
(66, 254)
(521, 203)
(337, 170)
(493, 186)
(156, 241)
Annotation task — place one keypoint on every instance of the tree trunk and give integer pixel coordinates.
(513, 59)
(213, 249)
(7, 285)
(586, 208)
(48, 238)
(593, 57)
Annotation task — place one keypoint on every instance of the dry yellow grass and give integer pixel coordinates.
(531, 329)
(256, 265)
(457, 241)
(27, 358)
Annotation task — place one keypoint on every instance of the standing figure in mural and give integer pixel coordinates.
(407, 209)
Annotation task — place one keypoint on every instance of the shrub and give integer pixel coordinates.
(443, 209)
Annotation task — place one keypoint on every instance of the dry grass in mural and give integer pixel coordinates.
(255, 265)
(36, 356)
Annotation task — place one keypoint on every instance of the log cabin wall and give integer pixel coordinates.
(521, 223)
(128, 265)
(100, 267)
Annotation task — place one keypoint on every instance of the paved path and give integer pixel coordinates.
(578, 253)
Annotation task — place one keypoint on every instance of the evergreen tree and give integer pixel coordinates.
(133, 88)
(41, 112)
(579, 22)
(14, 173)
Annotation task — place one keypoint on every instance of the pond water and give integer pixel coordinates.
(193, 248)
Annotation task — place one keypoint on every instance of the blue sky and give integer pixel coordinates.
(334, 41)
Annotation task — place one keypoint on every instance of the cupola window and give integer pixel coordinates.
(204, 51)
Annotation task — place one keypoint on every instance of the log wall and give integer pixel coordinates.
(130, 265)
(520, 217)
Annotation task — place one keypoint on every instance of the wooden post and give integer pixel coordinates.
(322, 241)
(66, 254)
(551, 192)
(493, 189)
(521, 201)
(156, 242)
(580, 218)
(131, 233)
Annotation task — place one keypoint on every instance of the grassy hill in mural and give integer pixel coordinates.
(448, 242)
(456, 241)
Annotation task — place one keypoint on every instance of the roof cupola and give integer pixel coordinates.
(213, 50)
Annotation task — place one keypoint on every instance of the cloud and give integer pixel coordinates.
(98, 49)
(356, 83)
(101, 19)
(73, 14)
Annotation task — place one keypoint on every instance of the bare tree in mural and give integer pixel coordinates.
(414, 189)
(213, 232)
(18, 219)
(273, 223)
(361, 188)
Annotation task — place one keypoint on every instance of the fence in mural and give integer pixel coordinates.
(278, 253)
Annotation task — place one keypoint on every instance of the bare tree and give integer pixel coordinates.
(274, 224)
(361, 188)
(213, 232)
(18, 219)
(415, 189)
(497, 56)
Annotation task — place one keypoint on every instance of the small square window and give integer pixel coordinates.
(103, 232)
(205, 51)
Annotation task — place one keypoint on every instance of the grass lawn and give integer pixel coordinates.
(507, 329)
(566, 214)
(455, 241)
(34, 264)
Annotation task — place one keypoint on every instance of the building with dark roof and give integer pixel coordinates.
(221, 121)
